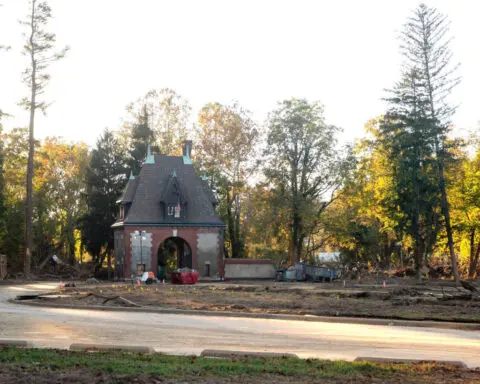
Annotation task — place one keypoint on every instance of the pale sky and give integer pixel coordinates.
(341, 52)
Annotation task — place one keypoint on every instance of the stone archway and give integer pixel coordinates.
(173, 253)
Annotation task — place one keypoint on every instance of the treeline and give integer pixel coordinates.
(406, 194)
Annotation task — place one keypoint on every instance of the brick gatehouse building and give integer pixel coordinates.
(167, 220)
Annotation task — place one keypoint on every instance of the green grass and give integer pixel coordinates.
(177, 366)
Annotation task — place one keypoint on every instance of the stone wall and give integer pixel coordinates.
(141, 251)
(119, 248)
(207, 257)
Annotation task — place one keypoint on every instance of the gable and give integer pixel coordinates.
(168, 180)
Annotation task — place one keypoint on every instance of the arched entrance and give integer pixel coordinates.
(173, 253)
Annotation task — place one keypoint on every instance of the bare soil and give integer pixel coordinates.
(431, 301)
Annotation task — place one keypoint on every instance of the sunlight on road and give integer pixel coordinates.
(29, 287)
(171, 333)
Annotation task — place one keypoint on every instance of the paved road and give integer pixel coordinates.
(53, 327)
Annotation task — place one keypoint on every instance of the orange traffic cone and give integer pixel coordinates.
(61, 284)
(138, 283)
(384, 284)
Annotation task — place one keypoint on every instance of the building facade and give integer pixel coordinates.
(167, 221)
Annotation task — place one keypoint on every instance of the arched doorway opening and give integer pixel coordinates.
(173, 253)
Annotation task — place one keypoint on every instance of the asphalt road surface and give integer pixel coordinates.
(182, 334)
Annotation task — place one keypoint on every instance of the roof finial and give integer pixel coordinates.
(131, 175)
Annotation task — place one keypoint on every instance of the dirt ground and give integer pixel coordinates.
(22, 375)
(431, 301)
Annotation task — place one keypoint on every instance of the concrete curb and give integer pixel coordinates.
(229, 354)
(385, 360)
(104, 347)
(270, 316)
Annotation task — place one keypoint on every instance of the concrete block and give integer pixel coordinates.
(230, 354)
(386, 360)
(249, 269)
(106, 347)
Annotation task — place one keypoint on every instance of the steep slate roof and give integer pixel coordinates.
(129, 191)
(149, 188)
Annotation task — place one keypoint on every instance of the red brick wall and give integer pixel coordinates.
(160, 234)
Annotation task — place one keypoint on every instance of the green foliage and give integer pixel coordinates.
(166, 114)
(106, 177)
(428, 62)
(408, 137)
(465, 199)
(303, 166)
(15, 145)
(265, 224)
(59, 185)
(141, 137)
(227, 139)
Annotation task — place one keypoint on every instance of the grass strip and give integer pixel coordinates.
(176, 366)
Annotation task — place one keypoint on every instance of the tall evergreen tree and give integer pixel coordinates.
(141, 137)
(427, 53)
(39, 46)
(106, 179)
(406, 136)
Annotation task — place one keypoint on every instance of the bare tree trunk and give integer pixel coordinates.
(474, 256)
(109, 268)
(231, 225)
(294, 241)
(441, 173)
(238, 240)
(446, 214)
(31, 152)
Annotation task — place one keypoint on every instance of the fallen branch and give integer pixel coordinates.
(107, 299)
(128, 301)
(468, 285)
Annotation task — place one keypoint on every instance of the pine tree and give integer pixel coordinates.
(406, 136)
(426, 51)
(38, 47)
(106, 179)
(141, 138)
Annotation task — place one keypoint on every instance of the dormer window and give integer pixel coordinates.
(174, 210)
